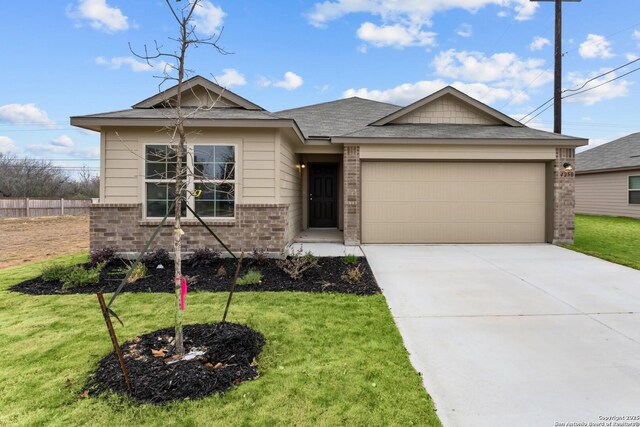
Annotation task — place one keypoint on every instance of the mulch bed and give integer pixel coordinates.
(229, 358)
(326, 277)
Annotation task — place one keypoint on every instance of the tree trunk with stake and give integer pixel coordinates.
(187, 38)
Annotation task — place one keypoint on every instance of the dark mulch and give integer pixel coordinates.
(326, 277)
(230, 358)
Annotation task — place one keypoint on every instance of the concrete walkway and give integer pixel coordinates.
(516, 335)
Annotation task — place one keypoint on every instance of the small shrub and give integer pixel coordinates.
(56, 273)
(78, 276)
(252, 277)
(204, 257)
(350, 259)
(297, 263)
(352, 275)
(259, 256)
(139, 272)
(156, 257)
(222, 272)
(101, 255)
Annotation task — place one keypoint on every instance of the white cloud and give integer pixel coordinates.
(504, 69)
(208, 18)
(137, 66)
(525, 9)
(100, 15)
(7, 145)
(62, 141)
(230, 77)
(631, 56)
(595, 46)
(395, 35)
(464, 30)
(65, 145)
(539, 43)
(613, 90)
(27, 114)
(291, 81)
(636, 35)
(410, 92)
(413, 11)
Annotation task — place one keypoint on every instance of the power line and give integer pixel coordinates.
(585, 83)
(582, 91)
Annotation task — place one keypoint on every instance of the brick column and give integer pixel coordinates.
(351, 178)
(564, 197)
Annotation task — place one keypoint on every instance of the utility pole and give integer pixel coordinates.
(557, 75)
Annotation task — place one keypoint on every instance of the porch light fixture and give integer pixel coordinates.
(568, 167)
(301, 165)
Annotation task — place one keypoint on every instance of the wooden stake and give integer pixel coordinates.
(233, 287)
(114, 340)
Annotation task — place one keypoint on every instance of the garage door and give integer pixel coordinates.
(428, 202)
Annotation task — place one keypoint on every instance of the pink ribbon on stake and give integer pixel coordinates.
(183, 291)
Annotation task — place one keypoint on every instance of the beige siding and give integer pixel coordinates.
(448, 109)
(291, 185)
(456, 152)
(431, 202)
(121, 170)
(605, 194)
(123, 163)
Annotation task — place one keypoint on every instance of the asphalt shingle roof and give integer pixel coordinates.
(168, 113)
(621, 153)
(454, 131)
(339, 117)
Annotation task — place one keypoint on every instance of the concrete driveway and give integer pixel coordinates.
(516, 335)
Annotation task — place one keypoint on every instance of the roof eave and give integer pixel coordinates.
(97, 123)
(572, 143)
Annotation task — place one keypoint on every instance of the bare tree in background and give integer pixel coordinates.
(26, 177)
(176, 71)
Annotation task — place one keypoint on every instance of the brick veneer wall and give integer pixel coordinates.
(256, 226)
(351, 182)
(564, 197)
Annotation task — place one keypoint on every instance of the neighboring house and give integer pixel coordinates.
(608, 178)
(445, 169)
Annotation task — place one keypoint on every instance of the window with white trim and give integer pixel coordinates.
(634, 190)
(209, 182)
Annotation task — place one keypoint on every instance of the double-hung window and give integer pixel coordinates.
(209, 181)
(634, 190)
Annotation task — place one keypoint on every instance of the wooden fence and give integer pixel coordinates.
(23, 207)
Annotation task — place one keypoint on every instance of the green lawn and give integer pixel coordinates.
(613, 239)
(330, 360)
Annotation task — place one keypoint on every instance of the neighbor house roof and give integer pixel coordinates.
(623, 153)
(338, 117)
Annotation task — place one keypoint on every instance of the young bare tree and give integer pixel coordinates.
(177, 72)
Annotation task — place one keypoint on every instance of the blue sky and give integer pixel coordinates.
(64, 58)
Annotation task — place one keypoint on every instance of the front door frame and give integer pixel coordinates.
(335, 220)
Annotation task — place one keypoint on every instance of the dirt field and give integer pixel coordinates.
(29, 239)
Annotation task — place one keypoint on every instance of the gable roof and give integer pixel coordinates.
(339, 117)
(449, 91)
(622, 153)
(157, 101)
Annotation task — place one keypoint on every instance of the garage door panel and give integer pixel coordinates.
(480, 191)
(452, 202)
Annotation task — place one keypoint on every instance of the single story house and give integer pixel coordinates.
(445, 169)
(608, 178)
